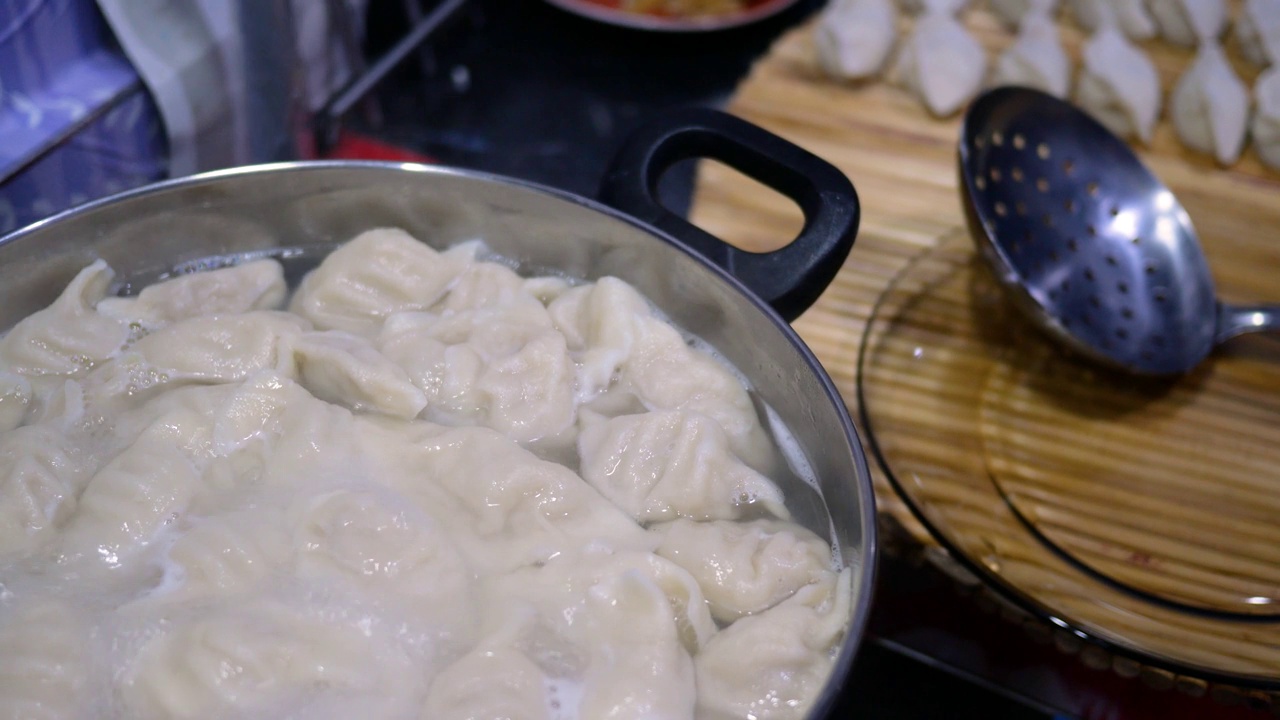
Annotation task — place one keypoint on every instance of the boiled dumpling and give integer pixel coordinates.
(620, 344)
(345, 369)
(771, 665)
(248, 660)
(618, 625)
(15, 400)
(489, 682)
(663, 465)
(379, 543)
(377, 274)
(224, 555)
(505, 507)
(45, 667)
(745, 568)
(1131, 16)
(1187, 22)
(1210, 106)
(637, 668)
(1119, 85)
(1011, 12)
(197, 351)
(941, 63)
(40, 478)
(503, 367)
(257, 285)
(1036, 59)
(854, 37)
(1266, 122)
(556, 591)
(1258, 31)
(68, 337)
(132, 500)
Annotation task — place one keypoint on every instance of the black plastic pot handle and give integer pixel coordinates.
(790, 278)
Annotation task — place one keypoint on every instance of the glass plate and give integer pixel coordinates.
(1144, 515)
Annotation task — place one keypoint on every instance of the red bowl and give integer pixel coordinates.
(608, 11)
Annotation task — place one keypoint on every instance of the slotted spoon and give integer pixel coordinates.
(1089, 243)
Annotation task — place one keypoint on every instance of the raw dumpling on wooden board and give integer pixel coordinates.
(1266, 119)
(854, 37)
(1011, 12)
(1184, 22)
(1036, 59)
(940, 62)
(1131, 15)
(1119, 85)
(1257, 30)
(1210, 106)
(1171, 61)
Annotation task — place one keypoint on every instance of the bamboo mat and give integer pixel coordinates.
(1172, 492)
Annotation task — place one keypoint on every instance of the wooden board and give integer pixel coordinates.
(902, 161)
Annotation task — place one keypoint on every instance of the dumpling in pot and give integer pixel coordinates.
(68, 337)
(609, 624)
(15, 400)
(489, 682)
(1210, 106)
(663, 465)
(1266, 121)
(40, 480)
(772, 665)
(745, 568)
(1119, 85)
(1257, 29)
(347, 370)
(257, 285)
(1186, 22)
(854, 37)
(250, 659)
(504, 507)
(940, 63)
(621, 345)
(1036, 59)
(46, 667)
(373, 276)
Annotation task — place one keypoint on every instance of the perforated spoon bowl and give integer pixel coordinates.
(1087, 240)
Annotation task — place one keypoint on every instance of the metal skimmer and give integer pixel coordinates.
(1088, 241)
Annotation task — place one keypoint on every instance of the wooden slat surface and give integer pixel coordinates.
(1173, 491)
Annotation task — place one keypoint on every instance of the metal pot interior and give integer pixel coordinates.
(300, 212)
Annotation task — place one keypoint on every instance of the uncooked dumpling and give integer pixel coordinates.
(1210, 106)
(1130, 15)
(1119, 85)
(941, 63)
(1185, 22)
(1258, 31)
(916, 7)
(1266, 122)
(1011, 12)
(854, 37)
(1036, 59)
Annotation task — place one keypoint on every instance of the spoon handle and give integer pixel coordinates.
(1236, 320)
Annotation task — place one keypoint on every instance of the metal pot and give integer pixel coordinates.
(735, 300)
